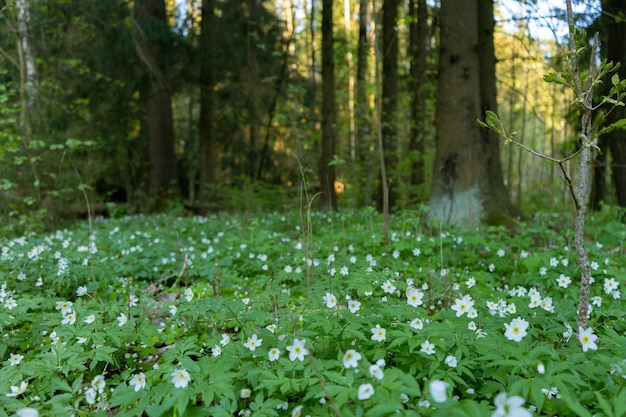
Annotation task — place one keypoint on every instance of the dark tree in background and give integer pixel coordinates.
(152, 47)
(417, 83)
(389, 110)
(615, 14)
(327, 171)
(207, 142)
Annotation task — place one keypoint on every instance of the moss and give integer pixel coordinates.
(501, 219)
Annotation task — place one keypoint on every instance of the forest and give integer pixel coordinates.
(126, 107)
(355, 208)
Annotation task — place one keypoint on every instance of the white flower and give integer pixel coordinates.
(253, 342)
(351, 359)
(597, 301)
(225, 340)
(27, 412)
(273, 354)
(330, 300)
(271, 327)
(516, 330)
(10, 304)
(510, 407)
(365, 391)
(414, 297)
(90, 396)
(541, 369)
(138, 381)
(297, 350)
(379, 333)
(188, 294)
(428, 348)
(15, 359)
(417, 324)
(610, 285)
(354, 306)
(18, 390)
(438, 390)
(388, 287)
(563, 281)
(173, 310)
(245, 393)
(451, 361)
(376, 371)
(64, 306)
(587, 339)
(180, 378)
(470, 282)
(297, 411)
(69, 318)
(98, 383)
(90, 319)
(216, 350)
(132, 300)
(122, 319)
(567, 334)
(462, 305)
(81, 291)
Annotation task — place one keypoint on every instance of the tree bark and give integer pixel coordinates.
(498, 200)
(207, 148)
(616, 52)
(467, 186)
(150, 49)
(418, 38)
(389, 111)
(362, 112)
(253, 84)
(327, 172)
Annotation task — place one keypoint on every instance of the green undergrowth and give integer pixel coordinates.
(258, 315)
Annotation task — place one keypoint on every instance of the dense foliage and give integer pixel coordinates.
(277, 314)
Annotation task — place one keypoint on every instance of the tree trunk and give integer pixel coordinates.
(418, 38)
(616, 52)
(499, 201)
(327, 172)
(362, 112)
(390, 97)
(347, 17)
(467, 185)
(599, 187)
(253, 84)
(28, 69)
(151, 49)
(207, 149)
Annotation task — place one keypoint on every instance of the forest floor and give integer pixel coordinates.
(275, 314)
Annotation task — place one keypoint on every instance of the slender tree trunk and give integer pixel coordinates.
(362, 112)
(418, 38)
(313, 51)
(254, 87)
(347, 17)
(27, 58)
(389, 123)
(28, 85)
(327, 172)
(207, 147)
